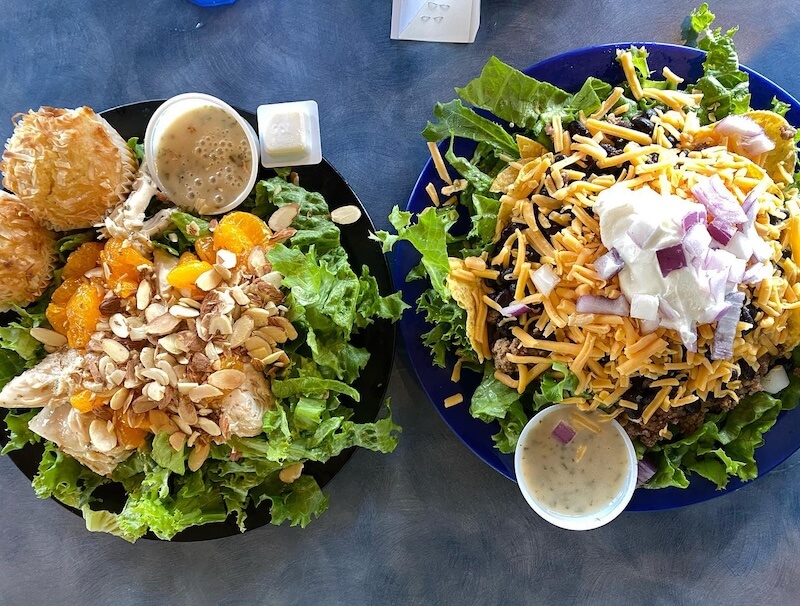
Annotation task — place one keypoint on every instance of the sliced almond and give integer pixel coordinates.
(346, 215)
(254, 343)
(177, 440)
(48, 337)
(189, 302)
(118, 326)
(260, 315)
(275, 333)
(221, 325)
(181, 311)
(226, 379)
(115, 350)
(154, 391)
(187, 412)
(138, 333)
(172, 344)
(102, 438)
(273, 357)
(289, 474)
(192, 438)
(182, 425)
(153, 311)
(143, 294)
(241, 331)
(208, 426)
(168, 369)
(202, 392)
(198, 456)
(157, 375)
(119, 399)
(238, 295)
(163, 325)
(184, 387)
(117, 376)
(223, 271)
(283, 217)
(257, 261)
(273, 278)
(208, 280)
(291, 332)
(226, 258)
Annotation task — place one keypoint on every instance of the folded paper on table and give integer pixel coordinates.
(439, 21)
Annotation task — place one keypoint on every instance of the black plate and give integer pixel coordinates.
(379, 338)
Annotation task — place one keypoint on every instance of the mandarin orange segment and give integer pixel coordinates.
(65, 290)
(251, 226)
(129, 437)
(123, 262)
(184, 275)
(81, 260)
(204, 247)
(83, 313)
(84, 400)
(186, 257)
(233, 239)
(57, 316)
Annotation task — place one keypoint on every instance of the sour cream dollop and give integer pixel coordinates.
(639, 223)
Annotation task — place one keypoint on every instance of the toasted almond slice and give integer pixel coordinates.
(102, 438)
(273, 278)
(260, 353)
(241, 331)
(283, 217)
(208, 280)
(275, 333)
(115, 350)
(168, 369)
(116, 376)
(254, 343)
(153, 311)
(260, 315)
(273, 357)
(163, 325)
(198, 455)
(208, 426)
(345, 215)
(119, 398)
(238, 295)
(143, 294)
(157, 375)
(289, 474)
(118, 326)
(201, 392)
(220, 325)
(223, 271)
(286, 325)
(226, 258)
(48, 337)
(177, 440)
(154, 391)
(226, 379)
(184, 387)
(190, 302)
(181, 311)
(172, 344)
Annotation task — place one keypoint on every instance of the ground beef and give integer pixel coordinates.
(787, 132)
(512, 346)
(686, 418)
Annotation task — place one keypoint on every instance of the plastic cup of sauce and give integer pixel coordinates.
(201, 153)
(576, 471)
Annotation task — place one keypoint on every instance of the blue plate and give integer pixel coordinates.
(569, 71)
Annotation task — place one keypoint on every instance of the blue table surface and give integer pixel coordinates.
(429, 524)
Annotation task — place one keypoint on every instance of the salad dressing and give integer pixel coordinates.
(580, 477)
(204, 159)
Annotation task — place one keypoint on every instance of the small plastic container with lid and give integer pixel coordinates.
(289, 134)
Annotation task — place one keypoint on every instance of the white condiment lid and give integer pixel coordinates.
(289, 134)
(175, 107)
(587, 521)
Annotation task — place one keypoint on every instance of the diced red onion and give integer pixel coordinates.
(713, 194)
(545, 279)
(697, 216)
(696, 241)
(721, 231)
(666, 310)
(645, 471)
(775, 380)
(591, 304)
(648, 326)
(718, 260)
(644, 307)
(670, 259)
(725, 332)
(563, 433)
(609, 265)
(736, 270)
(757, 145)
(640, 232)
(750, 206)
(717, 284)
(758, 272)
(740, 246)
(738, 126)
(761, 250)
(515, 310)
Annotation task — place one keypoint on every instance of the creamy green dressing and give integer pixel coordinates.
(569, 484)
(203, 159)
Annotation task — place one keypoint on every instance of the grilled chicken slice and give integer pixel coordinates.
(73, 433)
(243, 408)
(50, 382)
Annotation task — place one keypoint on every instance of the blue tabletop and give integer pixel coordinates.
(430, 524)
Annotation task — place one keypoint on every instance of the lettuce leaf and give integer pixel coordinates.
(456, 120)
(62, 477)
(19, 435)
(448, 332)
(554, 388)
(429, 236)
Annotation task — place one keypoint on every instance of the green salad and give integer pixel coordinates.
(543, 294)
(197, 395)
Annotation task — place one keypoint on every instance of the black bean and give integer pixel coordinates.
(774, 220)
(649, 113)
(747, 315)
(503, 297)
(610, 149)
(642, 124)
(558, 157)
(576, 128)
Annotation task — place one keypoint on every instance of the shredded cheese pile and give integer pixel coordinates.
(553, 189)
